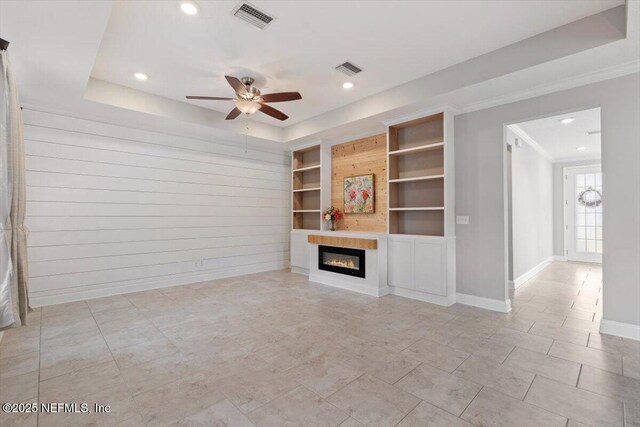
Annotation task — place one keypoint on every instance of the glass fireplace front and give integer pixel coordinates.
(342, 260)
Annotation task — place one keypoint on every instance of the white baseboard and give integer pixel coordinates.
(519, 281)
(619, 329)
(421, 296)
(298, 270)
(39, 299)
(559, 258)
(488, 303)
(362, 288)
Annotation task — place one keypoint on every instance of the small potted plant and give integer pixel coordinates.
(332, 215)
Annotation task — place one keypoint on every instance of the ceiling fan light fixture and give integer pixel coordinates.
(248, 106)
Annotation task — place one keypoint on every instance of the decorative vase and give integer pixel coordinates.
(332, 224)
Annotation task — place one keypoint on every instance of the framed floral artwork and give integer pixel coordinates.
(358, 194)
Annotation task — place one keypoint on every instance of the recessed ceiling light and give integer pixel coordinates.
(567, 120)
(189, 7)
(347, 85)
(581, 148)
(141, 76)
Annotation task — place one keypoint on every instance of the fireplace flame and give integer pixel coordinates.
(341, 263)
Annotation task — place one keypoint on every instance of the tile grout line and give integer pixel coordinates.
(408, 413)
(579, 373)
(471, 401)
(529, 388)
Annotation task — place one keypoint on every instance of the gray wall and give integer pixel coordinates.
(532, 207)
(480, 190)
(558, 202)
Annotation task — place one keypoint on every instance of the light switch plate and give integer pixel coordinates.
(464, 220)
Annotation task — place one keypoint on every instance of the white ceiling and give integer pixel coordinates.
(394, 41)
(560, 141)
(57, 45)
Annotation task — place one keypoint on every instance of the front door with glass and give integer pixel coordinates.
(583, 213)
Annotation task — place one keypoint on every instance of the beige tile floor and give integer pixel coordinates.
(276, 350)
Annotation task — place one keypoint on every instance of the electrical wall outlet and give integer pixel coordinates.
(462, 220)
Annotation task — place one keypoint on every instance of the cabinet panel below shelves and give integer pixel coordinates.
(430, 268)
(400, 263)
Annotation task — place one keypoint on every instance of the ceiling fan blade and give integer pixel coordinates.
(213, 98)
(270, 111)
(236, 84)
(281, 97)
(233, 114)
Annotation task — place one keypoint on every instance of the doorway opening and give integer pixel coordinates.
(554, 192)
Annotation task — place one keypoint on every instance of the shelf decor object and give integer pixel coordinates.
(332, 215)
(358, 194)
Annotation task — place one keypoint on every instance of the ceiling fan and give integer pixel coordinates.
(248, 99)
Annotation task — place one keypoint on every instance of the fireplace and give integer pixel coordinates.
(342, 260)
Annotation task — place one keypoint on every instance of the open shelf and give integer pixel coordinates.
(307, 168)
(306, 158)
(416, 178)
(418, 149)
(306, 220)
(416, 170)
(306, 179)
(416, 165)
(418, 222)
(417, 133)
(306, 189)
(417, 194)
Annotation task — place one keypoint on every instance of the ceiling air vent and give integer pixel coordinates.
(349, 69)
(252, 15)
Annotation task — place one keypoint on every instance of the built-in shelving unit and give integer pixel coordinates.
(306, 188)
(416, 168)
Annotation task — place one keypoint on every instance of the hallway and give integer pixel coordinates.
(564, 294)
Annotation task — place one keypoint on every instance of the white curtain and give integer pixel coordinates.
(14, 303)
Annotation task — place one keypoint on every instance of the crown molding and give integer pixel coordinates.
(608, 73)
(442, 108)
(353, 137)
(304, 144)
(529, 140)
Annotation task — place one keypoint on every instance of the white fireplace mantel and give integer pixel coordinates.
(375, 281)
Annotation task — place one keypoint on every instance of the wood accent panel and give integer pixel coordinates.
(361, 157)
(347, 242)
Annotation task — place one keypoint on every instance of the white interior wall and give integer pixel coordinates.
(558, 202)
(532, 207)
(113, 209)
(481, 187)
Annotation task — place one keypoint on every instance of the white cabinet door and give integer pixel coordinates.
(401, 263)
(299, 250)
(428, 259)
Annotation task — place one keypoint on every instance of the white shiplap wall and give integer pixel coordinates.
(113, 209)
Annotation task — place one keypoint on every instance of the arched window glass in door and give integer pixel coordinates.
(588, 212)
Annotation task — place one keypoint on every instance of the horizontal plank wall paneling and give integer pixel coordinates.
(361, 157)
(113, 209)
